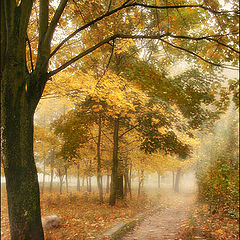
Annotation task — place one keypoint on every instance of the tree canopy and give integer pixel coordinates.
(40, 39)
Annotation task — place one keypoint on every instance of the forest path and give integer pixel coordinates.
(165, 223)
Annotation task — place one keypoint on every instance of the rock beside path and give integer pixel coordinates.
(50, 222)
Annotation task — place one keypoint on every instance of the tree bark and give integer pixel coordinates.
(18, 160)
(176, 187)
(120, 193)
(114, 176)
(18, 104)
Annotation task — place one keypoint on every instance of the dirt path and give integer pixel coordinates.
(165, 223)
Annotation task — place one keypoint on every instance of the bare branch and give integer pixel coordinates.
(130, 129)
(109, 13)
(160, 37)
(109, 5)
(196, 55)
(208, 38)
(110, 58)
(65, 65)
(185, 6)
(107, 136)
(86, 26)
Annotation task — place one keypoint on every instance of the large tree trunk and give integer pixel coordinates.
(21, 90)
(114, 176)
(99, 177)
(18, 160)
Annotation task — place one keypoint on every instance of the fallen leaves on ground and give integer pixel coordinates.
(81, 215)
(203, 224)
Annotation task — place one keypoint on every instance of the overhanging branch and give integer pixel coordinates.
(153, 37)
(130, 129)
(128, 5)
(198, 56)
(65, 65)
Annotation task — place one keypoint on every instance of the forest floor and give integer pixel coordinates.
(83, 217)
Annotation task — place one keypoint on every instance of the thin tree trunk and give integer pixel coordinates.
(89, 184)
(129, 187)
(66, 177)
(176, 187)
(99, 177)
(140, 182)
(120, 194)
(143, 179)
(173, 180)
(83, 180)
(159, 180)
(108, 183)
(126, 182)
(60, 175)
(51, 166)
(51, 180)
(44, 174)
(114, 176)
(78, 177)
(130, 181)
(61, 183)
(139, 185)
